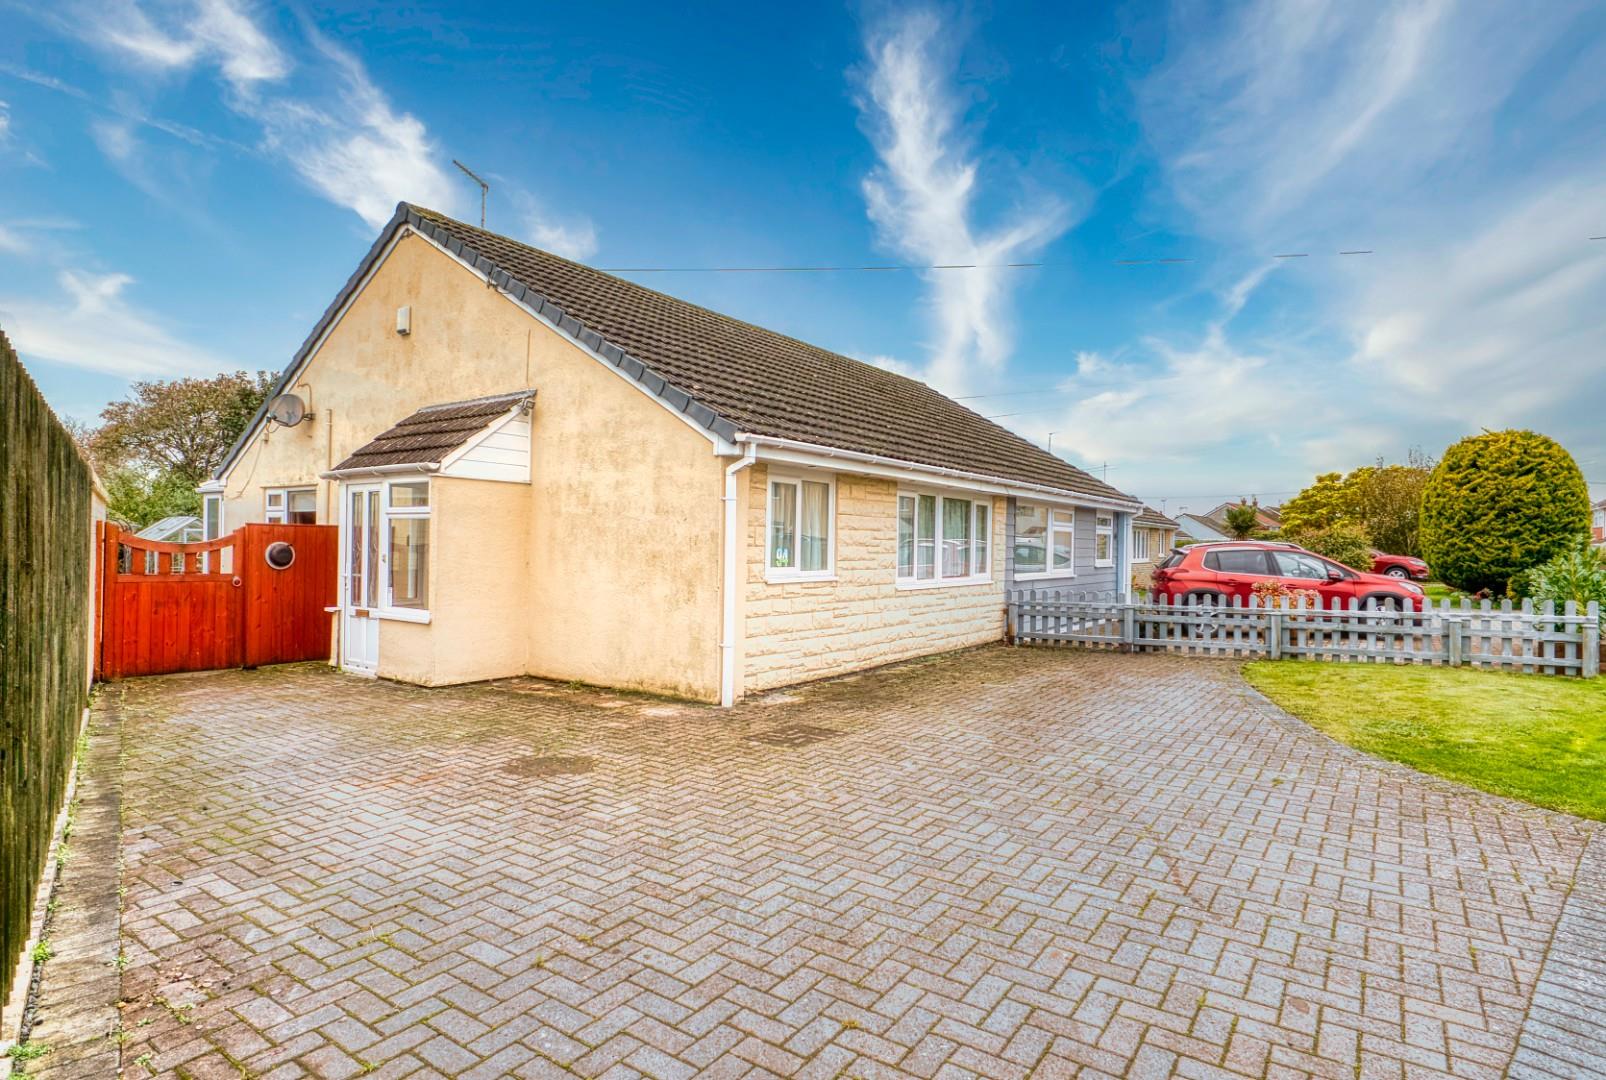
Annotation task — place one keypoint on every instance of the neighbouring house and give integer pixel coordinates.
(540, 468)
(1597, 523)
(1266, 517)
(1198, 527)
(1152, 536)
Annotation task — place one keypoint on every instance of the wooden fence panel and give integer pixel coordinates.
(46, 493)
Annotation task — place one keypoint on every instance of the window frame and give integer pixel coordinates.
(1140, 544)
(389, 512)
(280, 514)
(1101, 530)
(1048, 571)
(776, 575)
(981, 541)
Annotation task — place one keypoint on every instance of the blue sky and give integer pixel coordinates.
(184, 186)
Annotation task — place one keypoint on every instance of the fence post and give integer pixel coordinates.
(1012, 621)
(1453, 625)
(1129, 627)
(1274, 631)
(1591, 667)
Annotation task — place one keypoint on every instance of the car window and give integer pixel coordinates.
(1297, 564)
(1237, 561)
(1171, 560)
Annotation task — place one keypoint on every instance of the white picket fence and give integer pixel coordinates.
(1526, 638)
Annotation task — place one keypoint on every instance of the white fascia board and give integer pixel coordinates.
(721, 447)
(422, 472)
(811, 455)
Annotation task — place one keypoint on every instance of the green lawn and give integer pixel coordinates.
(1437, 591)
(1534, 737)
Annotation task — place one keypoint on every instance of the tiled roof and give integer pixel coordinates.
(427, 436)
(1154, 519)
(737, 377)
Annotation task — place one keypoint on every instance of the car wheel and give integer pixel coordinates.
(1205, 605)
(1397, 572)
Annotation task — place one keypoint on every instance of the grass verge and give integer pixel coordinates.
(1532, 737)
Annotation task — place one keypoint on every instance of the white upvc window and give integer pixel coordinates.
(1045, 541)
(799, 529)
(943, 539)
(290, 506)
(211, 517)
(1140, 545)
(1104, 540)
(407, 544)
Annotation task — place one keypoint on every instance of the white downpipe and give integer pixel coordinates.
(732, 567)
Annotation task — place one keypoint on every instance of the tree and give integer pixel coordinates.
(1498, 504)
(182, 427)
(1242, 520)
(1384, 501)
(1343, 543)
(1321, 506)
(137, 498)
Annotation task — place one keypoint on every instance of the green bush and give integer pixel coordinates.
(1347, 544)
(1579, 574)
(1500, 503)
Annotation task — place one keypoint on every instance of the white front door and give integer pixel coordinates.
(359, 593)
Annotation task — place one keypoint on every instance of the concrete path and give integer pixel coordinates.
(1005, 863)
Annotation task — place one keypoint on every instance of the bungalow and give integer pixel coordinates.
(1597, 524)
(539, 468)
(1152, 536)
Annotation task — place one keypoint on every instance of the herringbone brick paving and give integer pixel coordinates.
(1009, 863)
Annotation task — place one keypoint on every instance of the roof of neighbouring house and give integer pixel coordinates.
(1201, 528)
(1154, 519)
(431, 433)
(730, 377)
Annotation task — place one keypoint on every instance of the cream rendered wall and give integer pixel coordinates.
(467, 341)
(479, 585)
(626, 534)
(798, 631)
(620, 526)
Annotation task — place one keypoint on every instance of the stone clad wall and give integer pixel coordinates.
(808, 630)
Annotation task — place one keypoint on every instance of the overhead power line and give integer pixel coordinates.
(905, 268)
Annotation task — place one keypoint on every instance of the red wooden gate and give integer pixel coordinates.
(217, 604)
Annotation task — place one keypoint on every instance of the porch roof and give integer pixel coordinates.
(427, 436)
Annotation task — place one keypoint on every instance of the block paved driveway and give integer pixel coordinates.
(1002, 863)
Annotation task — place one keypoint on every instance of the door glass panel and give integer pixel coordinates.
(371, 544)
(355, 532)
(1031, 539)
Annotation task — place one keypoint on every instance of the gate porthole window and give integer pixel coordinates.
(279, 555)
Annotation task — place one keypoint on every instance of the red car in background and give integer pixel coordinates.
(1399, 566)
(1212, 572)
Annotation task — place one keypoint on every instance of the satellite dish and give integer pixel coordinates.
(287, 409)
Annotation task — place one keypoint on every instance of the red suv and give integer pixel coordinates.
(1399, 566)
(1213, 572)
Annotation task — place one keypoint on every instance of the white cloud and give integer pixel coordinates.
(212, 31)
(330, 124)
(94, 326)
(573, 236)
(355, 148)
(5, 123)
(1450, 138)
(921, 198)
